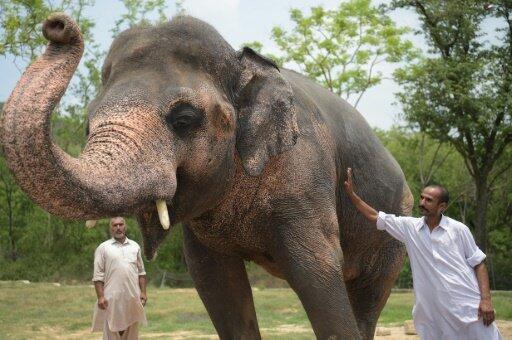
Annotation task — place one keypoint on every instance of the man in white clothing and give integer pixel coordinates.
(120, 282)
(451, 285)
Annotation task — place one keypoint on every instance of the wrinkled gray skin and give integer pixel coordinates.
(249, 157)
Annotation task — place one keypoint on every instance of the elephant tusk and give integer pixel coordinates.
(163, 214)
(90, 224)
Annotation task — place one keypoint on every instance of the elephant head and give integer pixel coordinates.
(178, 108)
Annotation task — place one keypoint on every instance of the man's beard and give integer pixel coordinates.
(118, 236)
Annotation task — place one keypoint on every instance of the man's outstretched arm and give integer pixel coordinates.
(363, 207)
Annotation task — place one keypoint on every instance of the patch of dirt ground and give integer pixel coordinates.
(398, 333)
(393, 333)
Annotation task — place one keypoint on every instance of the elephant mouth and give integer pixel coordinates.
(151, 226)
(159, 207)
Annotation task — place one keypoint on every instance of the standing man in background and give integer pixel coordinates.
(451, 285)
(120, 282)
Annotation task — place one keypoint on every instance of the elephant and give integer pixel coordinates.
(248, 156)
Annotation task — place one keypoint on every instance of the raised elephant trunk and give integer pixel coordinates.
(76, 188)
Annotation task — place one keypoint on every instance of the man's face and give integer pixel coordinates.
(117, 228)
(429, 202)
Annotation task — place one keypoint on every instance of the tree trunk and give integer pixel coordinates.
(14, 252)
(482, 201)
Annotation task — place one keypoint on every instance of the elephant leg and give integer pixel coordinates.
(223, 286)
(312, 265)
(369, 292)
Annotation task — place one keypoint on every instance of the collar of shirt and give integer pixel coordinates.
(125, 240)
(443, 223)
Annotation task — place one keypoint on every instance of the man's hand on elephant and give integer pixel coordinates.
(102, 303)
(348, 184)
(369, 213)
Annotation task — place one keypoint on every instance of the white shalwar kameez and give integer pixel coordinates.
(119, 266)
(445, 285)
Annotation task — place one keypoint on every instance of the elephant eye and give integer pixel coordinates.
(183, 117)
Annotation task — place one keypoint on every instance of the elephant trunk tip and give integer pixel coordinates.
(60, 28)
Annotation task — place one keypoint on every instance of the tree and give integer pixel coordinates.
(460, 91)
(425, 160)
(15, 207)
(21, 22)
(342, 48)
(137, 12)
(22, 39)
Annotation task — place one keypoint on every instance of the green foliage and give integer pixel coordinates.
(137, 12)
(12, 201)
(170, 253)
(342, 48)
(426, 161)
(405, 278)
(501, 267)
(20, 25)
(500, 234)
(21, 22)
(460, 91)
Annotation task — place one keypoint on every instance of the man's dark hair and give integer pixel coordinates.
(445, 195)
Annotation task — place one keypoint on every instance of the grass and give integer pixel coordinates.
(44, 311)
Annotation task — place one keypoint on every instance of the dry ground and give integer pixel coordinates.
(48, 311)
(280, 332)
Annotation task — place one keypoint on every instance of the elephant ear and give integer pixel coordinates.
(267, 122)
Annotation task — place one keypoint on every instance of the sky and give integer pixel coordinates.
(239, 22)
